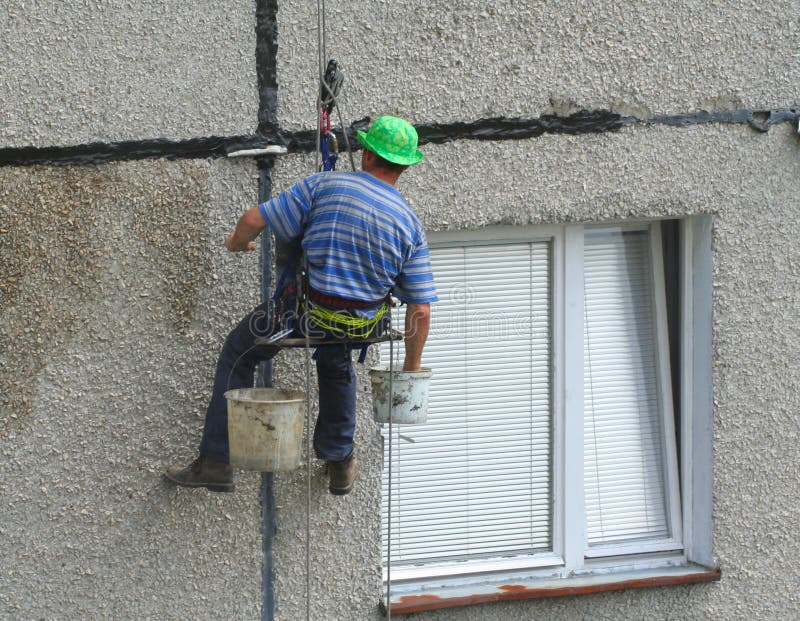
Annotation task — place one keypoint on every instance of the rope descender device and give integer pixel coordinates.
(329, 90)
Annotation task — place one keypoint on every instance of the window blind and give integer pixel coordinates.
(624, 477)
(475, 479)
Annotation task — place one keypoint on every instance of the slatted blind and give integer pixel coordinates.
(624, 477)
(475, 480)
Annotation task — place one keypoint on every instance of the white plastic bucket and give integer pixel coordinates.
(409, 395)
(265, 428)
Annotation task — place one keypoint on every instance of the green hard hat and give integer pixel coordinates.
(393, 139)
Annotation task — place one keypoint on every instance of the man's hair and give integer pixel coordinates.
(387, 165)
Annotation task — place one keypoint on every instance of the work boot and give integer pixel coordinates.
(342, 474)
(216, 476)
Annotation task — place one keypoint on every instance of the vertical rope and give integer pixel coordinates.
(346, 138)
(308, 476)
(318, 167)
(391, 442)
(320, 76)
(324, 54)
(320, 39)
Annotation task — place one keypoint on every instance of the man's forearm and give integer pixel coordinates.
(247, 229)
(418, 322)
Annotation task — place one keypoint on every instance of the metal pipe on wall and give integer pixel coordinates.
(267, 491)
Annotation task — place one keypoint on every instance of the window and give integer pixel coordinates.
(555, 416)
(474, 482)
(630, 452)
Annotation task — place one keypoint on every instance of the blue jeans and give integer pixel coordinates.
(336, 421)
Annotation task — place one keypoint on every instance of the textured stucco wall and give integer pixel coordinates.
(115, 292)
(108, 70)
(441, 61)
(750, 183)
(116, 295)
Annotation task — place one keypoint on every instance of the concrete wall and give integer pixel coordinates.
(108, 70)
(115, 292)
(440, 60)
(116, 295)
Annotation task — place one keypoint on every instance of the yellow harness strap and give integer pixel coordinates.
(345, 325)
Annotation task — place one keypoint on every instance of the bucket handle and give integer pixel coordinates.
(236, 362)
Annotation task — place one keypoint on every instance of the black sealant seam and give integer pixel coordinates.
(267, 65)
(304, 141)
(760, 120)
(100, 152)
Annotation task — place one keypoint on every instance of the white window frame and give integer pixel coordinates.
(689, 500)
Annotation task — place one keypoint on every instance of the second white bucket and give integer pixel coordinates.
(265, 428)
(409, 395)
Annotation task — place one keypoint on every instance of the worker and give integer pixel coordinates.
(362, 243)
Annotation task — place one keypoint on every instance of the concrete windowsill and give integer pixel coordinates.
(406, 602)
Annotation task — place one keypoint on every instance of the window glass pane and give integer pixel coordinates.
(623, 445)
(475, 480)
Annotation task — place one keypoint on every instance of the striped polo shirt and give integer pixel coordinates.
(360, 237)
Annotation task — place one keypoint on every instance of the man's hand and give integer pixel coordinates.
(234, 245)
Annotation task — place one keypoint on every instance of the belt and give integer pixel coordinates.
(341, 303)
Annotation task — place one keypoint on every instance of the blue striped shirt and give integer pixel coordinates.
(360, 237)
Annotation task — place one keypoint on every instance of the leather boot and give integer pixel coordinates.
(216, 476)
(341, 475)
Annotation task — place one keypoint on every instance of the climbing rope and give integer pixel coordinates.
(307, 365)
(343, 325)
(389, 507)
(321, 45)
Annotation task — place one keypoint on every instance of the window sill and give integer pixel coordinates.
(404, 601)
